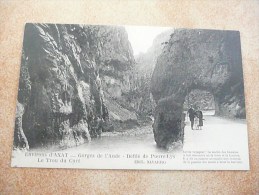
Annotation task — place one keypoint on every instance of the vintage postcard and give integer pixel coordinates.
(130, 97)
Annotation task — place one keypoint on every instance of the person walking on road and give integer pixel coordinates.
(191, 113)
(199, 114)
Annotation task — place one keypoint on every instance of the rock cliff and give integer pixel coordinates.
(196, 59)
(146, 61)
(63, 73)
(139, 96)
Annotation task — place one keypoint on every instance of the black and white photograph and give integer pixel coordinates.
(130, 97)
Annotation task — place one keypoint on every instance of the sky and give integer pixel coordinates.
(141, 37)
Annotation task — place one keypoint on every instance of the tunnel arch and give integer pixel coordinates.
(196, 59)
(199, 98)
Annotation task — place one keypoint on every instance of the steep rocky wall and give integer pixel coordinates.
(138, 97)
(146, 61)
(116, 61)
(198, 59)
(61, 85)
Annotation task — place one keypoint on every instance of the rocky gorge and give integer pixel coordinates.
(78, 81)
(63, 73)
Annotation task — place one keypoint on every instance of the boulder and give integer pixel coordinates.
(168, 125)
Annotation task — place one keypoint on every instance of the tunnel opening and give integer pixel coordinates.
(200, 99)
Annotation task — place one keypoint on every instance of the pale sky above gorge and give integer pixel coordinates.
(141, 37)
